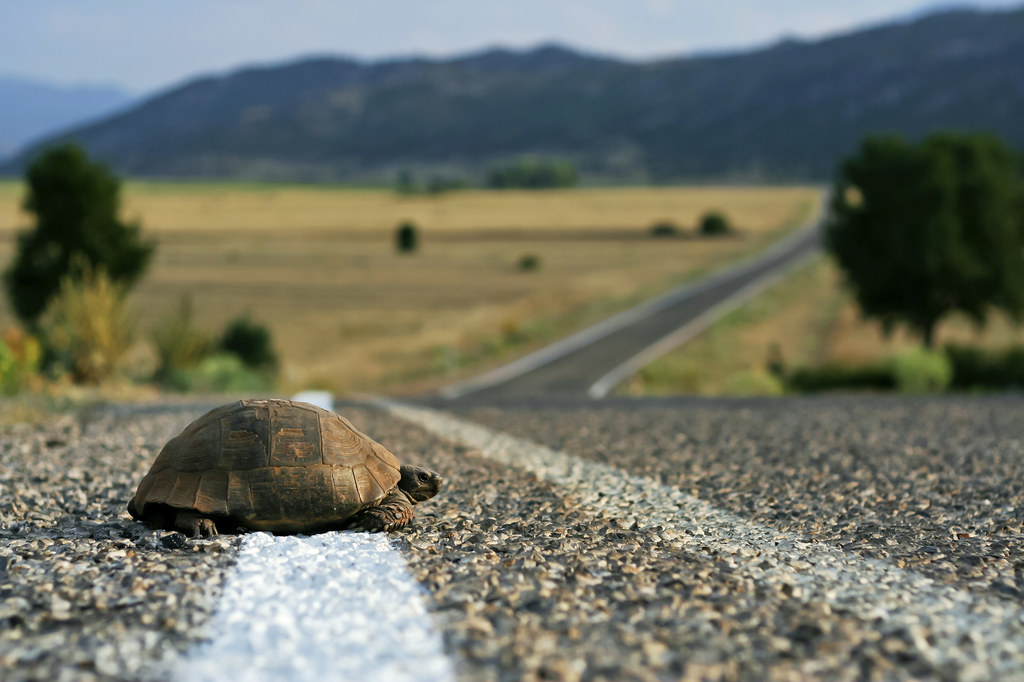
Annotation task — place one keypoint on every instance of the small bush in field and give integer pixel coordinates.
(20, 357)
(664, 228)
(922, 371)
(179, 343)
(991, 369)
(529, 262)
(219, 373)
(87, 327)
(251, 342)
(407, 238)
(714, 224)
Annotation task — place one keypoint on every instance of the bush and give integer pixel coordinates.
(439, 184)
(529, 262)
(922, 371)
(219, 373)
(87, 327)
(179, 344)
(831, 377)
(714, 224)
(753, 382)
(20, 357)
(75, 202)
(976, 368)
(250, 341)
(664, 228)
(533, 174)
(406, 238)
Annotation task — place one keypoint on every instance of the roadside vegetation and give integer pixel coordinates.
(351, 301)
(924, 290)
(806, 334)
(68, 284)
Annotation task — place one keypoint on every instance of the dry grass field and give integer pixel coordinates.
(811, 319)
(318, 266)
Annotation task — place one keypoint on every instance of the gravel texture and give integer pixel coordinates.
(85, 592)
(850, 616)
(528, 579)
(933, 484)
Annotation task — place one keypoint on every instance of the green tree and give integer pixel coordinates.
(407, 237)
(532, 173)
(76, 203)
(714, 224)
(924, 229)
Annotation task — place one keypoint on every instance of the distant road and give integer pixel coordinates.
(595, 360)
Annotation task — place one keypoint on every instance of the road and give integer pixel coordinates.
(833, 538)
(593, 361)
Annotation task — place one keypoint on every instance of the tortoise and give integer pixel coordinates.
(280, 466)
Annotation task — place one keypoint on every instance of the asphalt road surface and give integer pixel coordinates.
(593, 361)
(837, 538)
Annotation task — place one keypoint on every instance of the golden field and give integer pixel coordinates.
(318, 266)
(811, 319)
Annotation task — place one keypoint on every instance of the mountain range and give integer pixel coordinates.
(33, 110)
(784, 112)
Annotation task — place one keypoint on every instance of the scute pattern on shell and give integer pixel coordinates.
(270, 465)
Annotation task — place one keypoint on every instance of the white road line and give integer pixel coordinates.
(334, 606)
(609, 381)
(964, 635)
(613, 324)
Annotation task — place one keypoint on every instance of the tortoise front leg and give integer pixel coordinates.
(394, 511)
(194, 525)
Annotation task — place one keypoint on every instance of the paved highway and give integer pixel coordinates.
(841, 538)
(595, 360)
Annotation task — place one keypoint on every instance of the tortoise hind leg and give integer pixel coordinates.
(194, 525)
(394, 511)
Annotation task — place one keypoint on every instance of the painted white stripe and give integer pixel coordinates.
(613, 324)
(966, 635)
(334, 606)
(666, 344)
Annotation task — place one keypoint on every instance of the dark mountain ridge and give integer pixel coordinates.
(786, 112)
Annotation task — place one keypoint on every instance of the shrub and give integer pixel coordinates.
(75, 202)
(20, 356)
(439, 184)
(753, 382)
(529, 262)
(219, 373)
(179, 344)
(406, 238)
(533, 174)
(977, 368)
(714, 224)
(831, 377)
(922, 371)
(251, 342)
(664, 228)
(87, 327)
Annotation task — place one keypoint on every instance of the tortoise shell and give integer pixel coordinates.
(272, 465)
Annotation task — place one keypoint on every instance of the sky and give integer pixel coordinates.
(143, 45)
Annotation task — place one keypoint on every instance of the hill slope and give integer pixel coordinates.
(31, 109)
(787, 111)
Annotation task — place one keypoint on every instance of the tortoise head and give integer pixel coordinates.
(419, 483)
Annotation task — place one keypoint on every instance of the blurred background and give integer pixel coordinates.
(256, 197)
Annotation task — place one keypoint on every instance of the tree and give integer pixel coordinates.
(714, 224)
(407, 237)
(923, 230)
(75, 202)
(530, 173)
